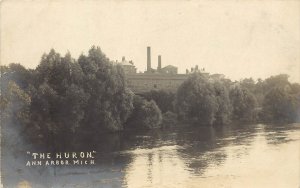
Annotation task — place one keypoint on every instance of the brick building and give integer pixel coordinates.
(142, 82)
(162, 78)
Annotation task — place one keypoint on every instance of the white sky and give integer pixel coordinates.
(239, 38)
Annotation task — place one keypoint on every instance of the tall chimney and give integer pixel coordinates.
(148, 59)
(159, 63)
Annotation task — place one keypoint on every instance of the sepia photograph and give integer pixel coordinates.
(150, 94)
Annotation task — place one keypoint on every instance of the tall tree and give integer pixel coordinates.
(223, 114)
(281, 105)
(280, 80)
(58, 99)
(110, 102)
(196, 100)
(243, 103)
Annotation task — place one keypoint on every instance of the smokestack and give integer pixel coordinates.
(148, 59)
(159, 63)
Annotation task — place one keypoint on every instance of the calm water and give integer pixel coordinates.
(232, 156)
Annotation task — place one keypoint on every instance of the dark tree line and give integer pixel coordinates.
(65, 98)
(205, 100)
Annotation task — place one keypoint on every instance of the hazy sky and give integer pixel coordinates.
(239, 38)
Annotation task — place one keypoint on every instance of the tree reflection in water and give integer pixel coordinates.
(180, 157)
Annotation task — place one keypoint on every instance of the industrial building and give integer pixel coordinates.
(162, 78)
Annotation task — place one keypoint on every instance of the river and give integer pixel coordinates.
(255, 155)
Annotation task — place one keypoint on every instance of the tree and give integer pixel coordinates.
(249, 84)
(259, 91)
(164, 100)
(68, 97)
(14, 107)
(295, 88)
(58, 99)
(78, 98)
(280, 80)
(281, 105)
(18, 74)
(169, 119)
(196, 100)
(110, 102)
(14, 103)
(145, 115)
(223, 114)
(243, 103)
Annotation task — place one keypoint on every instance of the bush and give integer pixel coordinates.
(145, 115)
(163, 99)
(169, 119)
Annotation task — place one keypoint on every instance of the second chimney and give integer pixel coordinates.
(159, 63)
(148, 59)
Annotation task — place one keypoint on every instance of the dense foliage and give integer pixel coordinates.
(223, 114)
(64, 99)
(282, 104)
(208, 100)
(146, 115)
(244, 104)
(110, 102)
(163, 99)
(203, 101)
(15, 113)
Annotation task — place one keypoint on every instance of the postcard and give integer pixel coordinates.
(156, 94)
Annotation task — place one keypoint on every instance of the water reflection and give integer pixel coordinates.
(279, 134)
(232, 156)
